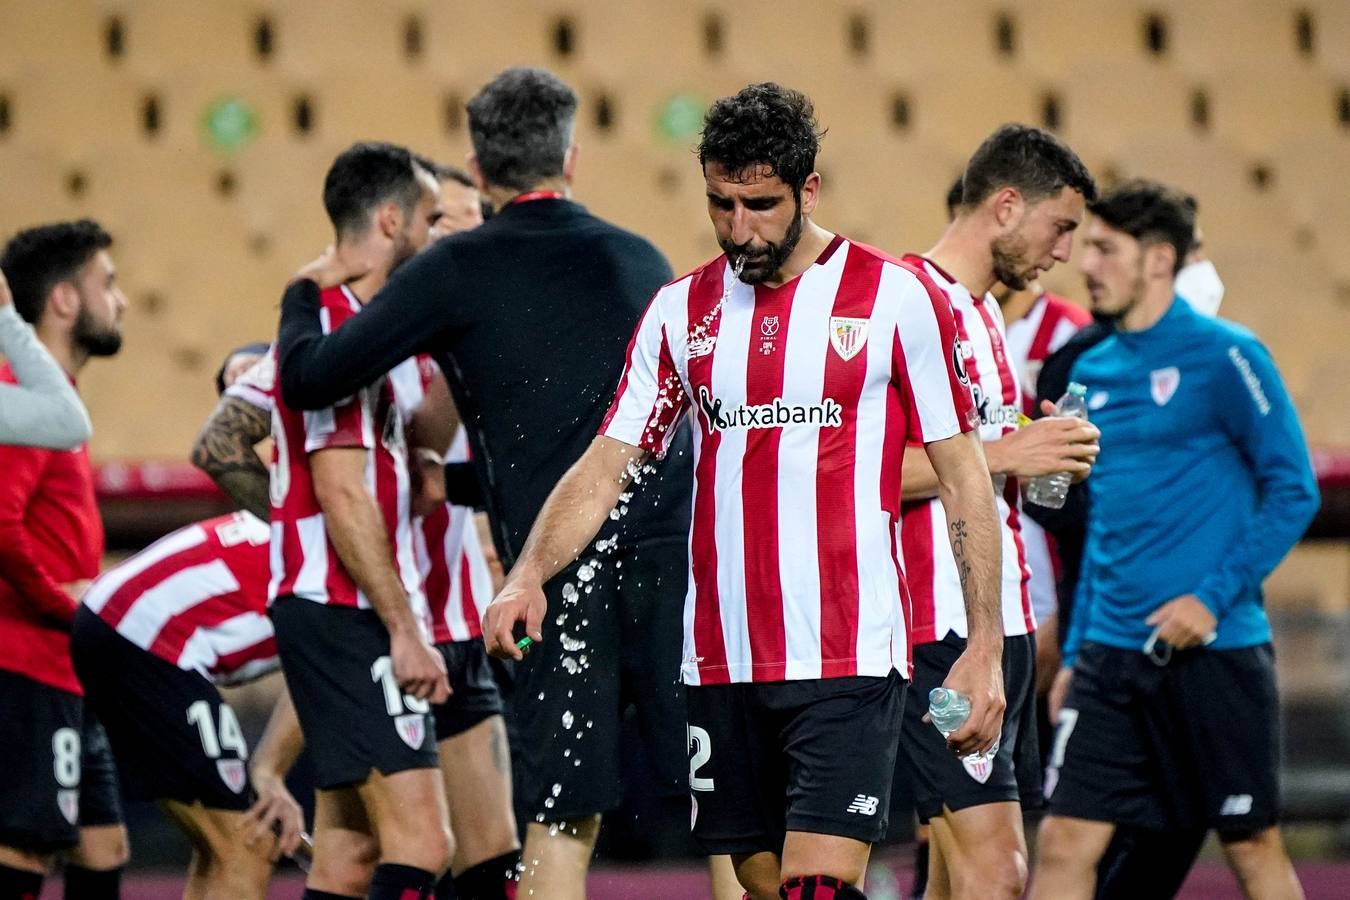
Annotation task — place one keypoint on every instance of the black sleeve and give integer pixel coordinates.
(409, 313)
(462, 486)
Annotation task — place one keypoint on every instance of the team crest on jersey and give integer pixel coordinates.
(1163, 384)
(412, 727)
(68, 801)
(847, 335)
(232, 773)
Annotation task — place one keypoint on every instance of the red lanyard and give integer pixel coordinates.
(537, 195)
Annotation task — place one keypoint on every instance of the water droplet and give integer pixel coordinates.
(567, 718)
(541, 695)
(586, 572)
(571, 665)
(569, 592)
(556, 790)
(570, 643)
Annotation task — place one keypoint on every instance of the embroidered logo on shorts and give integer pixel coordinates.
(69, 803)
(412, 728)
(863, 805)
(232, 773)
(1236, 805)
(979, 766)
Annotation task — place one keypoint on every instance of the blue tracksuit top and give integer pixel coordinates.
(1203, 484)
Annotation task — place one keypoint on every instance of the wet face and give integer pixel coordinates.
(1113, 267)
(98, 325)
(461, 209)
(1037, 237)
(417, 231)
(756, 218)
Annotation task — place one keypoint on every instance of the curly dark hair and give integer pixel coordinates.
(1030, 159)
(764, 125)
(520, 125)
(1151, 213)
(37, 259)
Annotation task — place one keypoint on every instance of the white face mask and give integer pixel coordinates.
(1200, 286)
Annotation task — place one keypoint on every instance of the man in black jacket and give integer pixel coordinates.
(529, 317)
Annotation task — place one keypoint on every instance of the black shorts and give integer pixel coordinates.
(473, 689)
(940, 777)
(815, 755)
(338, 670)
(172, 734)
(58, 774)
(618, 644)
(1193, 744)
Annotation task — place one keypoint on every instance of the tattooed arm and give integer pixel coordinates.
(972, 527)
(224, 450)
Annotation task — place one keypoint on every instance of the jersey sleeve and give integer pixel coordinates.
(257, 386)
(1261, 421)
(19, 565)
(926, 360)
(651, 397)
(350, 423)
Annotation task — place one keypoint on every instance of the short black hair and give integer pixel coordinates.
(441, 171)
(1151, 213)
(1030, 159)
(764, 125)
(37, 259)
(363, 177)
(954, 195)
(255, 348)
(520, 125)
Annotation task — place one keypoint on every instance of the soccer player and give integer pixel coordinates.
(806, 361)
(41, 409)
(1023, 195)
(349, 610)
(1171, 716)
(58, 790)
(153, 638)
(528, 317)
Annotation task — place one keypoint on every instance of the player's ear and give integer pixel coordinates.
(570, 162)
(63, 301)
(389, 219)
(1160, 260)
(810, 193)
(476, 173)
(1007, 205)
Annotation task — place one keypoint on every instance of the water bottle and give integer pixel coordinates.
(949, 710)
(1050, 490)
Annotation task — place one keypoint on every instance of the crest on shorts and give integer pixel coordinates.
(847, 335)
(1163, 384)
(412, 727)
(233, 774)
(68, 801)
(979, 766)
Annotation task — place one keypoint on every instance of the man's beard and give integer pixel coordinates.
(1010, 268)
(93, 338)
(403, 251)
(766, 263)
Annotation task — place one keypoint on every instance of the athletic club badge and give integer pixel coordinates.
(68, 801)
(412, 727)
(232, 773)
(979, 767)
(848, 335)
(1164, 383)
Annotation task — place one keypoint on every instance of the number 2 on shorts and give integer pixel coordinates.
(700, 751)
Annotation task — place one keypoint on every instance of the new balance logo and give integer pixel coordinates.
(1236, 805)
(863, 805)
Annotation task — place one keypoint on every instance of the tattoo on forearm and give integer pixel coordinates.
(224, 450)
(960, 533)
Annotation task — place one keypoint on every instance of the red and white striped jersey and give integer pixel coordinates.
(930, 569)
(304, 561)
(450, 559)
(196, 598)
(1050, 322)
(804, 397)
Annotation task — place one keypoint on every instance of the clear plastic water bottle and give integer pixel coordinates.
(1051, 490)
(949, 710)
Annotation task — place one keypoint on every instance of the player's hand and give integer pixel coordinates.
(1058, 691)
(6, 298)
(1184, 622)
(978, 674)
(517, 602)
(274, 822)
(1050, 445)
(329, 270)
(418, 668)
